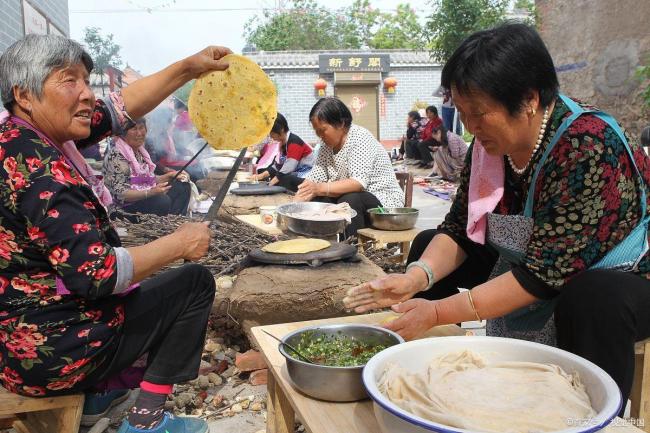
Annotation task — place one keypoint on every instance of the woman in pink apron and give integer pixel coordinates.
(549, 227)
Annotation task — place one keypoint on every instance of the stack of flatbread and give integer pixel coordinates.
(462, 390)
(331, 212)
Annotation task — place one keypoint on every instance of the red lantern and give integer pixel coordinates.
(320, 85)
(389, 84)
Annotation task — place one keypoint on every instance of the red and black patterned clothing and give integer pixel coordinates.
(54, 234)
(427, 131)
(296, 148)
(586, 201)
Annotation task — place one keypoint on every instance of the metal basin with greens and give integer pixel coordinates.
(344, 348)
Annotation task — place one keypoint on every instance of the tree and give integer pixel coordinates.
(528, 6)
(361, 23)
(308, 26)
(399, 30)
(454, 20)
(103, 51)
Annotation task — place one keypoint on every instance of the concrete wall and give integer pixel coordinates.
(296, 97)
(597, 46)
(12, 22)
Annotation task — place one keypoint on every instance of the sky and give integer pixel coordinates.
(176, 29)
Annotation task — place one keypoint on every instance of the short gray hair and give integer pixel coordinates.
(29, 61)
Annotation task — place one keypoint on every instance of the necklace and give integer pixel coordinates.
(540, 137)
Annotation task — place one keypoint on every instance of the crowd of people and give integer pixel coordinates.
(548, 229)
(429, 143)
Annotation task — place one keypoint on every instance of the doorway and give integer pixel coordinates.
(363, 102)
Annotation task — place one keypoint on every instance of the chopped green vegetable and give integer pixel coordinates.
(336, 350)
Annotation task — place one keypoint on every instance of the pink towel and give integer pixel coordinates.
(72, 154)
(270, 151)
(485, 190)
(146, 169)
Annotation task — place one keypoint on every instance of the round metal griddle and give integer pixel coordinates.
(336, 251)
(258, 190)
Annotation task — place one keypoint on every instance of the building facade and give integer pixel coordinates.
(359, 78)
(21, 17)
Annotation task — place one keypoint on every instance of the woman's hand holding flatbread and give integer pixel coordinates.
(417, 317)
(396, 291)
(307, 190)
(380, 293)
(208, 59)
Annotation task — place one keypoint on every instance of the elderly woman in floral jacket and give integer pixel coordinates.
(72, 309)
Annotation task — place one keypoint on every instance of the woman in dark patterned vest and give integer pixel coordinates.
(549, 229)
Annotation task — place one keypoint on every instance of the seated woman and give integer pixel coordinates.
(129, 176)
(409, 150)
(449, 155)
(294, 160)
(352, 166)
(76, 307)
(549, 228)
(426, 141)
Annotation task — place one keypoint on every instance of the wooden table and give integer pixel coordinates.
(256, 221)
(284, 402)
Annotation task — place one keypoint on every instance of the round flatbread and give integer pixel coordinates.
(296, 246)
(234, 108)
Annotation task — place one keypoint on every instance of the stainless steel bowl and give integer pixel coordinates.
(393, 218)
(309, 227)
(333, 383)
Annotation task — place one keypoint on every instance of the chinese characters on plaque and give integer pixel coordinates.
(351, 63)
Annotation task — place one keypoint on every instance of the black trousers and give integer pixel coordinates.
(174, 202)
(411, 149)
(424, 150)
(360, 202)
(167, 318)
(599, 316)
(289, 181)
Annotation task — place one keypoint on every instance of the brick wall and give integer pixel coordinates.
(296, 97)
(11, 18)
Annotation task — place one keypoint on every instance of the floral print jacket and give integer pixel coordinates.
(586, 201)
(54, 233)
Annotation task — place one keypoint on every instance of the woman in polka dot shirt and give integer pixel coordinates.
(352, 166)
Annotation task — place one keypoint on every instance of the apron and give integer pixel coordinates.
(510, 236)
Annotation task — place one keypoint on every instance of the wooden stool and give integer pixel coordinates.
(640, 396)
(42, 415)
(379, 238)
